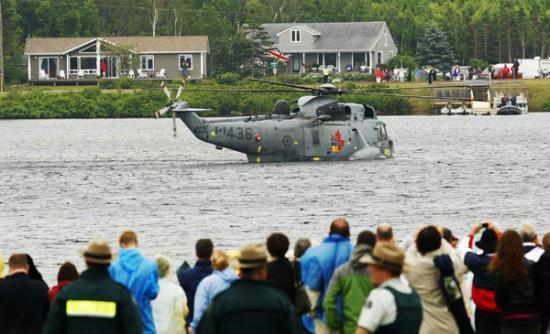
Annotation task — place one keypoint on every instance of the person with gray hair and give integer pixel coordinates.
(170, 306)
(531, 244)
(384, 232)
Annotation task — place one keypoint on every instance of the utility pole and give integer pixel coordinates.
(1, 51)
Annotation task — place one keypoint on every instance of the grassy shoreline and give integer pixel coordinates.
(38, 102)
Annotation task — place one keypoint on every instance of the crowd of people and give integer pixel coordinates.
(491, 281)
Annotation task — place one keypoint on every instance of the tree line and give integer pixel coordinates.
(492, 30)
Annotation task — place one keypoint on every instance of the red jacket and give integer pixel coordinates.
(52, 293)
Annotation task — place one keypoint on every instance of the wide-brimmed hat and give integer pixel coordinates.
(488, 241)
(98, 252)
(253, 256)
(385, 255)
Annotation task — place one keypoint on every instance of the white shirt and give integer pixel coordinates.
(169, 308)
(380, 308)
(535, 253)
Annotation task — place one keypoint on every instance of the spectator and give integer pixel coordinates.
(67, 273)
(543, 274)
(505, 72)
(352, 283)
(487, 313)
(170, 306)
(250, 305)
(326, 72)
(279, 271)
(531, 242)
(190, 279)
(515, 68)
(379, 75)
(139, 275)
(334, 251)
(95, 303)
(424, 278)
(515, 291)
(1, 266)
(449, 237)
(392, 307)
(384, 232)
(220, 280)
(34, 274)
(23, 301)
(300, 248)
(301, 265)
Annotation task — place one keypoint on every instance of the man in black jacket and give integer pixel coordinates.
(23, 302)
(95, 303)
(250, 305)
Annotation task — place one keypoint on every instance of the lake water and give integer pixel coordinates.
(65, 182)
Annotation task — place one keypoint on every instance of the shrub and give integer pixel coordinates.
(546, 105)
(228, 78)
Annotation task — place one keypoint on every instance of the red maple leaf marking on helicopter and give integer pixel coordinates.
(336, 140)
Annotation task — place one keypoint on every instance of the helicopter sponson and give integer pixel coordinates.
(319, 129)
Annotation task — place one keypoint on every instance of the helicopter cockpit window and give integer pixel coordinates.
(369, 111)
(382, 134)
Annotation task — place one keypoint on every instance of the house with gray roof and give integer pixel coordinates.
(346, 46)
(88, 58)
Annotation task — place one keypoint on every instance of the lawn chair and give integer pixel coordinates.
(131, 74)
(161, 74)
(61, 74)
(80, 74)
(142, 75)
(42, 74)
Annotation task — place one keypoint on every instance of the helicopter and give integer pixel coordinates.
(320, 128)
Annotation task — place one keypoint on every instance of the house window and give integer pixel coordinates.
(295, 36)
(379, 58)
(48, 67)
(73, 65)
(386, 35)
(367, 58)
(90, 49)
(187, 59)
(88, 65)
(147, 62)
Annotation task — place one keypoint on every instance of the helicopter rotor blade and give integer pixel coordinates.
(411, 96)
(167, 93)
(178, 94)
(288, 85)
(159, 113)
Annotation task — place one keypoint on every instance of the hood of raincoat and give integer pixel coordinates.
(358, 252)
(130, 259)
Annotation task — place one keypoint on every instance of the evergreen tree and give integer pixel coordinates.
(434, 49)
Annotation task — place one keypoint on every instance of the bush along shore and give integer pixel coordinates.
(143, 102)
(126, 98)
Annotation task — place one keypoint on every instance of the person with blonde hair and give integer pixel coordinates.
(220, 279)
(170, 306)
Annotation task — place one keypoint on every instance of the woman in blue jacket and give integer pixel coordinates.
(220, 279)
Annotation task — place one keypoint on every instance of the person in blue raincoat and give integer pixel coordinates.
(321, 262)
(139, 275)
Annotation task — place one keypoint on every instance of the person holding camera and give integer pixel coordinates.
(487, 313)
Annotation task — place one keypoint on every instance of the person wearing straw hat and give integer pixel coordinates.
(95, 303)
(250, 305)
(393, 307)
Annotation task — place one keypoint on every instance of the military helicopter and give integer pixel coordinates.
(319, 129)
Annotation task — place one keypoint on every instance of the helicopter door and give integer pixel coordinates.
(290, 143)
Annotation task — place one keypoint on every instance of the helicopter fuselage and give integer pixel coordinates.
(357, 134)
